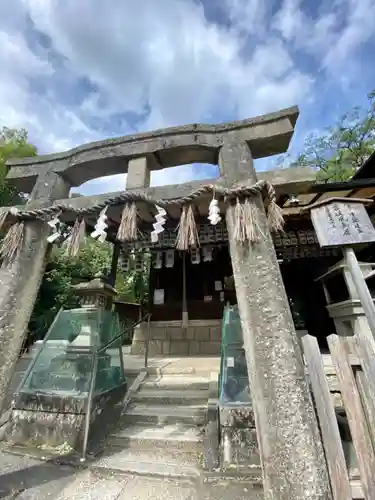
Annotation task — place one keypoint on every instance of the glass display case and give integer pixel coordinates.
(74, 351)
(234, 386)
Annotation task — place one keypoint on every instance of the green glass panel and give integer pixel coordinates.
(110, 373)
(234, 380)
(77, 327)
(57, 371)
(65, 362)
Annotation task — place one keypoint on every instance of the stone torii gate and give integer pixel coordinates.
(289, 441)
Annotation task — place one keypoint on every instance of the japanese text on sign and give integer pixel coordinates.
(342, 223)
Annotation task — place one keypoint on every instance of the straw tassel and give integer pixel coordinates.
(76, 238)
(3, 218)
(12, 243)
(187, 235)
(239, 232)
(275, 217)
(246, 227)
(250, 220)
(128, 229)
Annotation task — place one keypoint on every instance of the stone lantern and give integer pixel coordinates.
(343, 303)
(95, 293)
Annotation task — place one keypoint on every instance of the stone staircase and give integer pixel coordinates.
(161, 432)
(21, 368)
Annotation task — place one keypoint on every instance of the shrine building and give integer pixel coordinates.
(188, 291)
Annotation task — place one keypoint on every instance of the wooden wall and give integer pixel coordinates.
(200, 283)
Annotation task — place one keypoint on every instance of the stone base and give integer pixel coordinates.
(56, 422)
(239, 444)
(33, 428)
(168, 338)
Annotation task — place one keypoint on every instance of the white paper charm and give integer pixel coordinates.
(169, 258)
(214, 212)
(158, 296)
(158, 260)
(207, 254)
(125, 263)
(55, 225)
(139, 261)
(195, 256)
(218, 286)
(101, 226)
(158, 226)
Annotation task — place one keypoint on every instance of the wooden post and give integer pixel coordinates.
(355, 414)
(19, 283)
(185, 314)
(367, 403)
(113, 272)
(290, 446)
(328, 421)
(114, 263)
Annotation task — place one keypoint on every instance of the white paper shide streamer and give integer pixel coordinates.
(214, 212)
(55, 225)
(101, 226)
(158, 226)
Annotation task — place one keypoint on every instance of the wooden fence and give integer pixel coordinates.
(344, 395)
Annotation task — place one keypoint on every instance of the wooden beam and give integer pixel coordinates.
(338, 186)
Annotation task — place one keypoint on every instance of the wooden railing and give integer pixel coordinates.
(344, 374)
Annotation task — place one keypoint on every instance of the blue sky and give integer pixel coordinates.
(77, 71)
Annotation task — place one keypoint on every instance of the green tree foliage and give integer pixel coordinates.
(62, 272)
(13, 144)
(342, 149)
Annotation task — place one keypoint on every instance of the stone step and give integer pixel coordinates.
(158, 414)
(231, 488)
(172, 397)
(168, 437)
(156, 462)
(176, 382)
(91, 485)
(183, 369)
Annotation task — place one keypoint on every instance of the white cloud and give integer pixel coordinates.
(152, 63)
(334, 36)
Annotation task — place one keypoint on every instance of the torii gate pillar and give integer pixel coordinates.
(290, 447)
(20, 283)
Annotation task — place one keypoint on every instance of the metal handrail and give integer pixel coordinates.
(146, 316)
(147, 340)
(92, 381)
(89, 405)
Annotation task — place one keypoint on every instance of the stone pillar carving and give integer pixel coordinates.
(289, 441)
(19, 284)
(138, 173)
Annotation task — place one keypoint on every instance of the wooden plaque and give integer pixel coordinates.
(340, 223)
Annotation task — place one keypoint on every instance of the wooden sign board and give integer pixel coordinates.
(342, 223)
